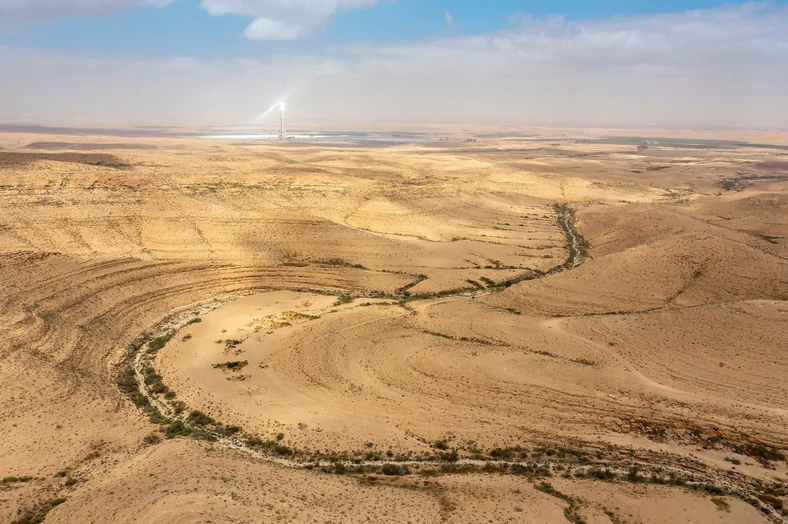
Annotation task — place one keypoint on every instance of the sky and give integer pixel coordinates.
(696, 63)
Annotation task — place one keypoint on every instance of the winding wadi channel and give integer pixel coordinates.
(581, 456)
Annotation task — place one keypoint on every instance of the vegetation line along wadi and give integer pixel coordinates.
(140, 382)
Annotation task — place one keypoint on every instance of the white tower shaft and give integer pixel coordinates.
(283, 131)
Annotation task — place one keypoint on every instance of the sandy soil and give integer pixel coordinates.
(663, 349)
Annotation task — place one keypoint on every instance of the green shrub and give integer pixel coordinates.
(151, 439)
(489, 282)
(601, 474)
(450, 457)
(152, 379)
(159, 388)
(177, 429)
(127, 381)
(140, 400)
(254, 442)
(204, 435)
(159, 342)
(282, 450)
(763, 453)
(344, 299)
(635, 476)
(713, 490)
(269, 445)
(394, 470)
(37, 515)
(232, 366)
(137, 344)
(198, 418)
(12, 480)
(228, 431)
(584, 361)
(771, 500)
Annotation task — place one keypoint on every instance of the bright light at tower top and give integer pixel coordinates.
(281, 106)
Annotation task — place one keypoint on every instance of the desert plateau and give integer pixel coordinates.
(564, 326)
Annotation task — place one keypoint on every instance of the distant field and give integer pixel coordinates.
(693, 143)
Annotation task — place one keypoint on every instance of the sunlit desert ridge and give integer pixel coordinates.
(550, 325)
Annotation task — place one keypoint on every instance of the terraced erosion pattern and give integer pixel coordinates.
(525, 330)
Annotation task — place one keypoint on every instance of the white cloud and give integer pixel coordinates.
(721, 66)
(283, 19)
(515, 18)
(449, 19)
(51, 9)
(267, 29)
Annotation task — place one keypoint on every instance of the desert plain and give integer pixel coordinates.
(553, 327)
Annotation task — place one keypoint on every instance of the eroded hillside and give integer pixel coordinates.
(580, 332)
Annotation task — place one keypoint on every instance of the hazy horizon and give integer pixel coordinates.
(225, 62)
